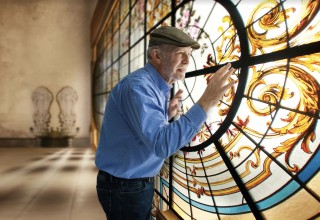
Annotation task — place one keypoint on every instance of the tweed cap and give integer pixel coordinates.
(173, 36)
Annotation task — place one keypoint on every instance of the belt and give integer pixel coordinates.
(115, 179)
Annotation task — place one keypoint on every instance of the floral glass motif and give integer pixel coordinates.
(257, 156)
(157, 10)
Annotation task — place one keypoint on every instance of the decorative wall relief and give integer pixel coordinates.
(49, 136)
(42, 99)
(67, 98)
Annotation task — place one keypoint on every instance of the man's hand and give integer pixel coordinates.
(173, 109)
(217, 86)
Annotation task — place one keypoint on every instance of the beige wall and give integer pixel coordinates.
(43, 43)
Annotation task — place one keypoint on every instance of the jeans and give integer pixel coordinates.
(125, 199)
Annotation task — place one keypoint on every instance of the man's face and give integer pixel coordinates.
(174, 62)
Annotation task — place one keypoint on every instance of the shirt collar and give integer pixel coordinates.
(158, 80)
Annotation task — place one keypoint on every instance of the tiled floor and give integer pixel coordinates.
(48, 184)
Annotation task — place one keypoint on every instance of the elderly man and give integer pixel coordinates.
(136, 136)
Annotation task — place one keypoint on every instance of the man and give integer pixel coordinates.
(136, 136)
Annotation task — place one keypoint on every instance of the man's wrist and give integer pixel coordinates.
(203, 106)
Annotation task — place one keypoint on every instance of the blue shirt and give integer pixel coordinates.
(136, 136)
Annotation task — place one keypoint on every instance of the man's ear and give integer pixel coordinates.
(155, 53)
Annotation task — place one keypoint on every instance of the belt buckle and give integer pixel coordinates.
(149, 179)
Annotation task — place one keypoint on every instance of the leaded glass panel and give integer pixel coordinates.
(124, 65)
(116, 46)
(137, 56)
(137, 22)
(257, 156)
(124, 10)
(116, 18)
(124, 36)
(157, 11)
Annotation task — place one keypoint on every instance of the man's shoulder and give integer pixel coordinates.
(139, 77)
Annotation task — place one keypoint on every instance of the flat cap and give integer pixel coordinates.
(173, 36)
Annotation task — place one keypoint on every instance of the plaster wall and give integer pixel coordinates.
(43, 43)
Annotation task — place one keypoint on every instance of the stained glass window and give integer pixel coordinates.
(157, 12)
(257, 156)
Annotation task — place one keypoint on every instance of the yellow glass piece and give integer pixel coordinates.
(301, 204)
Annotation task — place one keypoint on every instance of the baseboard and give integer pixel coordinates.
(166, 215)
(34, 142)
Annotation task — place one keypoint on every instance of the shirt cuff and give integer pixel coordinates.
(197, 115)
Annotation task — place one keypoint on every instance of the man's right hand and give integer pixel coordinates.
(216, 88)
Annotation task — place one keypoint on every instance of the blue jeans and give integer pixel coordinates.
(125, 199)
